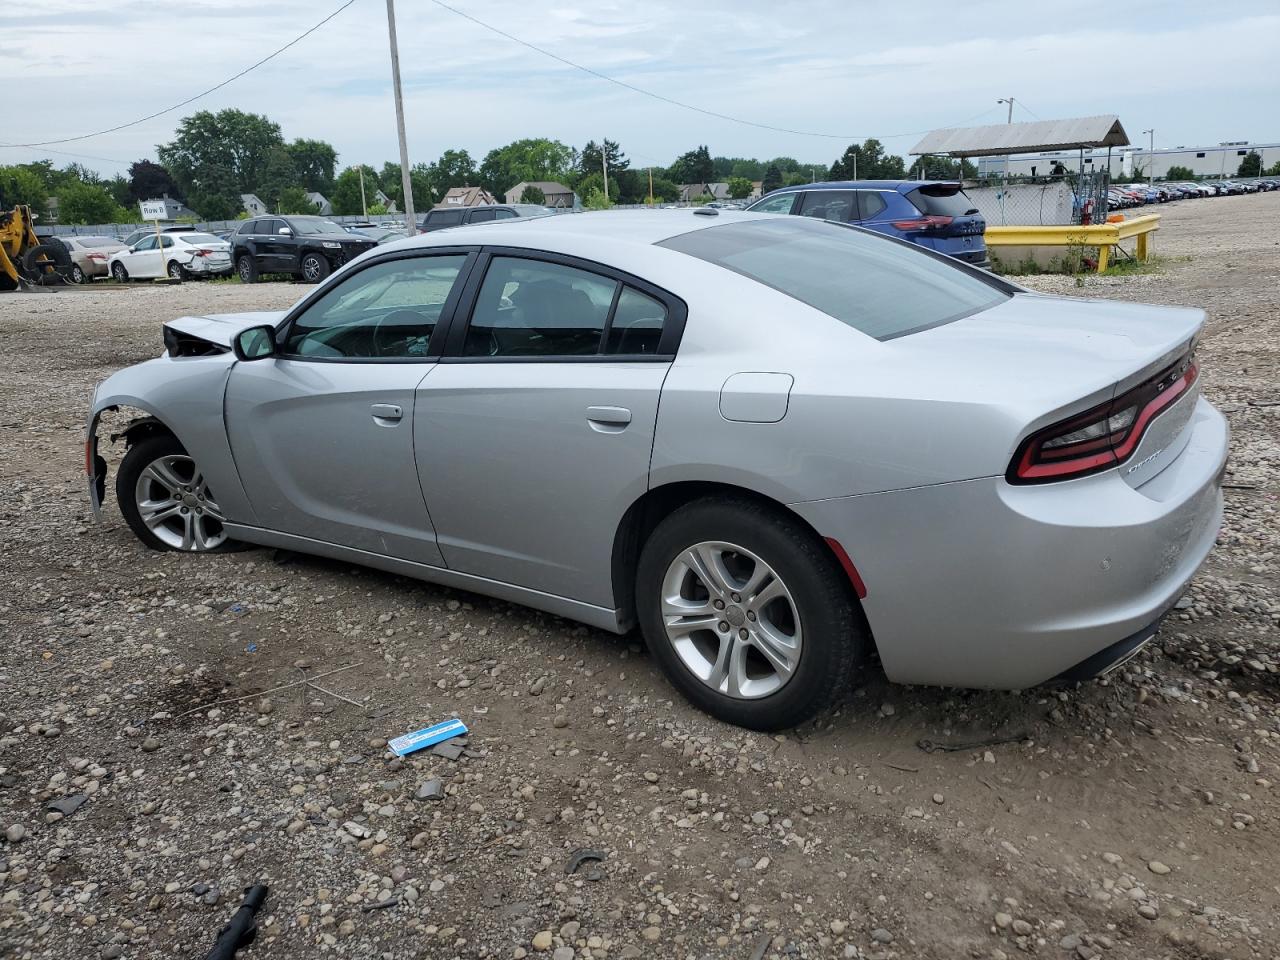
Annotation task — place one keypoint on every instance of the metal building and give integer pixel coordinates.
(1221, 160)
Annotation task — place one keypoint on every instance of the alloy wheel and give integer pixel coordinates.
(174, 502)
(311, 268)
(731, 620)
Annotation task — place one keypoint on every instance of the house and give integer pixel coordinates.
(323, 206)
(554, 194)
(757, 190)
(712, 191)
(387, 203)
(466, 197)
(253, 205)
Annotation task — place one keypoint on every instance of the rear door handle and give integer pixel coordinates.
(386, 413)
(608, 419)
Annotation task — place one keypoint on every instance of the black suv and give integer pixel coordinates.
(307, 247)
(442, 217)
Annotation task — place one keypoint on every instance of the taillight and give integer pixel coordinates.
(203, 253)
(1102, 437)
(97, 256)
(929, 222)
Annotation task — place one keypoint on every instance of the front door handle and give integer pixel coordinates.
(608, 419)
(386, 414)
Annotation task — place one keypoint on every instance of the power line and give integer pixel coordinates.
(669, 100)
(198, 96)
(64, 153)
(1028, 109)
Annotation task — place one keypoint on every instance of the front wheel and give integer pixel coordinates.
(166, 501)
(315, 267)
(118, 272)
(748, 613)
(247, 268)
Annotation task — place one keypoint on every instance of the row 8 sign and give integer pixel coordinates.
(153, 210)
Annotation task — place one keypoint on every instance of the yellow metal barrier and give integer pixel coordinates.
(1104, 236)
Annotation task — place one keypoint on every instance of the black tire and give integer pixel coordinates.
(140, 456)
(47, 261)
(835, 637)
(314, 267)
(119, 273)
(247, 268)
(177, 271)
(78, 275)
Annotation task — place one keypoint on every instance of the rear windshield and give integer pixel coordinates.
(942, 201)
(97, 241)
(882, 287)
(200, 238)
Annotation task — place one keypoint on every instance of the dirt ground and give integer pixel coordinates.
(1136, 816)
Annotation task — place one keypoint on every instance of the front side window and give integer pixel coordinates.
(479, 216)
(781, 203)
(530, 308)
(882, 287)
(828, 205)
(388, 310)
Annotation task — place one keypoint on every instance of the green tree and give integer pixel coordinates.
(1274, 169)
(294, 200)
(772, 179)
(120, 190)
(391, 183)
(455, 168)
(536, 159)
(595, 199)
(594, 184)
(279, 173)
(696, 166)
(868, 161)
(315, 161)
(786, 164)
(739, 188)
(745, 167)
(346, 190)
(1180, 173)
(80, 202)
(236, 141)
(18, 185)
(532, 195)
(215, 193)
(664, 190)
(589, 161)
(150, 181)
(1251, 165)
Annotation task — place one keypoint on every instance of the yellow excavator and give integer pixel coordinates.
(24, 260)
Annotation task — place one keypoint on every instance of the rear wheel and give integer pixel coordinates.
(315, 267)
(166, 501)
(78, 275)
(177, 271)
(748, 613)
(247, 268)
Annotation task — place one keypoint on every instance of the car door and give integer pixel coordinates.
(322, 434)
(277, 248)
(144, 259)
(534, 433)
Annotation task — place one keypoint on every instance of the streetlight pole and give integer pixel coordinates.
(406, 182)
(1009, 101)
(604, 167)
(1151, 157)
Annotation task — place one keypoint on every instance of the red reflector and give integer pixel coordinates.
(88, 458)
(850, 570)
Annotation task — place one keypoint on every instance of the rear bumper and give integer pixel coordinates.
(201, 266)
(983, 584)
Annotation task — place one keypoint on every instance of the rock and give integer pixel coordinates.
(1070, 941)
(562, 953)
(68, 805)
(651, 933)
(1022, 928)
(939, 798)
(432, 789)
(1148, 910)
(1156, 867)
(1003, 920)
(15, 833)
(560, 721)
(150, 745)
(838, 927)
(542, 941)
(1112, 858)
(887, 710)
(881, 935)
(357, 830)
(651, 776)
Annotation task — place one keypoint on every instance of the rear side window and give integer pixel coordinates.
(870, 204)
(637, 324)
(942, 201)
(530, 308)
(828, 205)
(881, 287)
(444, 218)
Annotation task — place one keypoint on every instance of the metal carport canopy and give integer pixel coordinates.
(1005, 138)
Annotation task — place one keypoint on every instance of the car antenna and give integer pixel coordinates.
(706, 212)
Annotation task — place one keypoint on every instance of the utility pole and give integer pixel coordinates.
(1009, 101)
(406, 181)
(604, 166)
(364, 207)
(1151, 157)
(651, 186)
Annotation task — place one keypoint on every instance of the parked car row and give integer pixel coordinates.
(1122, 196)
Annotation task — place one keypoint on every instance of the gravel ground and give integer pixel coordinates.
(1129, 817)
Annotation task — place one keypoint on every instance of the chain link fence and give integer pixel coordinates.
(1041, 201)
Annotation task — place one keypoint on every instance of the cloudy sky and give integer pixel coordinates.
(838, 67)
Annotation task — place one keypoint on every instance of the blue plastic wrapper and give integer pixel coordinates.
(426, 737)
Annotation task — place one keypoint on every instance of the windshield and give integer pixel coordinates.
(314, 225)
(882, 287)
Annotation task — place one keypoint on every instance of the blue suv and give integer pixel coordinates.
(933, 213)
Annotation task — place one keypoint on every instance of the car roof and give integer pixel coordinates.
(899, 186)
(634, 227)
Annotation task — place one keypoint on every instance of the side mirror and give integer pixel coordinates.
(285, 232)
(256, 343)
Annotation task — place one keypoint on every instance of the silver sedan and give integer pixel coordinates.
(773, 443)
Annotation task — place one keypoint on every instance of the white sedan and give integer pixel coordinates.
(186, 255)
